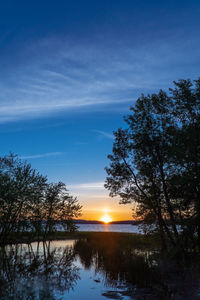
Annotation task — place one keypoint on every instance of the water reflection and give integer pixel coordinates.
(106, 266)
(40, 273)
(118, 263)
(137, 273)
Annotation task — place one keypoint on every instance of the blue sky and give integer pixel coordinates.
(70, 70)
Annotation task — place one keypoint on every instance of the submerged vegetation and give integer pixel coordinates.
(29, 203)
(135, 264)
(155, 164)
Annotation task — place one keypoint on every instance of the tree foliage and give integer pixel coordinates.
(156, 163)
(29, 202)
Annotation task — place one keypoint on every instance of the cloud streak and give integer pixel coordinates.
(105, 134)
(49, 154)
(66, 76)
(88, 186)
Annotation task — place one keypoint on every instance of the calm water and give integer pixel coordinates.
(110, 227)
(87, 269)
(59, 270)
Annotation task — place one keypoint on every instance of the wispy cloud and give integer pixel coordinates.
(105, 134)
(49, 154)
(69, 76)
(88, 186)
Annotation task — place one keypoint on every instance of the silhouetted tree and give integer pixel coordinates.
(20, 186)
(59, 208)
(29, 203)
(156, 161)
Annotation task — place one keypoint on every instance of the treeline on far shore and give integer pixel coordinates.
(125, 222)
(29, 203)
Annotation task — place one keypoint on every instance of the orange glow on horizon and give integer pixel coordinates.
(106, 219)
(97, 215)
(96, 211)
(96, 206)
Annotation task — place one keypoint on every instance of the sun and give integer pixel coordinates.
(106, 219)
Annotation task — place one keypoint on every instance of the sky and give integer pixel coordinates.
(70, 70)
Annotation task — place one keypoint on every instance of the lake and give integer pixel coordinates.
(110, 227)
(103, 267)
(59, 270)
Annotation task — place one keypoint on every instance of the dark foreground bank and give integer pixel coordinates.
(130, 238)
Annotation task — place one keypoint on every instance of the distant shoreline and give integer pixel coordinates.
(131, 222)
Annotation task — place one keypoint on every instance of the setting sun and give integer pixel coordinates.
(106, 219)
